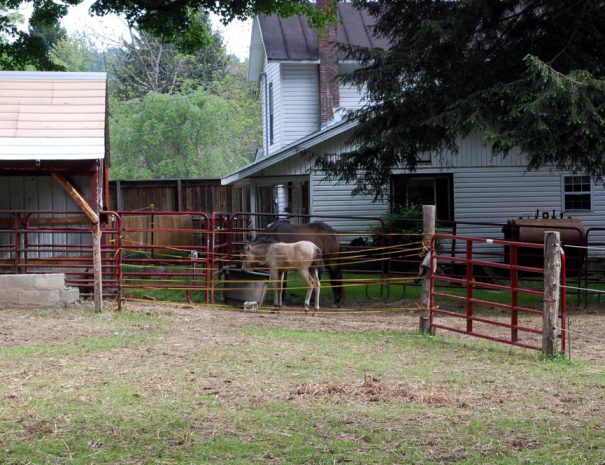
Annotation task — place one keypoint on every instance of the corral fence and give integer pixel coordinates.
(464, 307)
(186, 251)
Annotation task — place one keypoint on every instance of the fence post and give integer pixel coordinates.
(428, 229)
(97, 266)
(552, 274)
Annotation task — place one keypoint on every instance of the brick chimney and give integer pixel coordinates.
(329, 97)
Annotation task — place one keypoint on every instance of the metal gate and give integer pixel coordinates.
(503, 303)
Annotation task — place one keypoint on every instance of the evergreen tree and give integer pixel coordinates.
(527, 74)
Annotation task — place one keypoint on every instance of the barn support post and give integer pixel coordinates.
(96, 236)
(552, 276)
(428, 229)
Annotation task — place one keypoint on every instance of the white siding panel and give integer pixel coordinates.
(273, 71)
(300, 101)
(350, 97)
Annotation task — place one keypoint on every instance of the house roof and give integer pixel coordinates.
(292, 39)
(52, 115)
(289, 151)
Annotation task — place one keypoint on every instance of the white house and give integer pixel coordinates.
(302, 106)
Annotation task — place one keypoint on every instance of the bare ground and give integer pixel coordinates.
(195, 324)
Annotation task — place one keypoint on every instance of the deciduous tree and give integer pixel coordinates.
(171, 21)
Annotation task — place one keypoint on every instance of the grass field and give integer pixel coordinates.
(174, 385)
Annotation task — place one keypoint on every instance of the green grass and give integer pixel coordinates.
(199, 387)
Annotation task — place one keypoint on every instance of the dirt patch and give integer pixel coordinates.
(200, 325)
(20, 327)
(374, 390)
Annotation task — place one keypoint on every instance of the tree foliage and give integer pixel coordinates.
(197, 135)
(74, 53)
(148, 65)
(527, 74)
(174, 22)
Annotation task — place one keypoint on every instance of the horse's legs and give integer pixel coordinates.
(307, 277)
(275, 279)
(282, 284)
(317, 283)
(284, 296)
(336, 281)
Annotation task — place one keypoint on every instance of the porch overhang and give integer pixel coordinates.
(301, 145)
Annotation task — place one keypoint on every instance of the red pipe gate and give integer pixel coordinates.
(467, 317)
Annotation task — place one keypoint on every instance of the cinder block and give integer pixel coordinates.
(32, 298)
(50, 281)
(36, 291)
(17, 281)
(69, 296)
(8, 298)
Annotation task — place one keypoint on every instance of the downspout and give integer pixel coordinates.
(263, 78)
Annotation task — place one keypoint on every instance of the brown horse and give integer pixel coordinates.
(322, 235)
(303, 256)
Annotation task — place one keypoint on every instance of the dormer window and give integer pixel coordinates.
(271, 113)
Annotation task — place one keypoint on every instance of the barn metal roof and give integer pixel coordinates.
(52, 115)
(292, 39)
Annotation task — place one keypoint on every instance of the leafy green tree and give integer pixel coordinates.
(25, 50)
(198, 135)
(74, 53)
(524, 73)
(173, 22)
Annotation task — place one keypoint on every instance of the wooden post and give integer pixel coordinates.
(97, 266)
(428, 228)
(179, 195)
(96, 236)
(552, 275)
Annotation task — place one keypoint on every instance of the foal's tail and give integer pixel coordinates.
(318, 261)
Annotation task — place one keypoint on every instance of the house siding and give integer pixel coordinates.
(274, 77)
(300, 101)
(481, 192)
(350, 97)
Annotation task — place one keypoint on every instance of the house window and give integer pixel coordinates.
(416, 190)
(271, 113)
(577, 193)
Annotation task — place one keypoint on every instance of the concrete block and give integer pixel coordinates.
(69, 296)
(36, 291)
(32, 298)
(17, 281)
(50, 281)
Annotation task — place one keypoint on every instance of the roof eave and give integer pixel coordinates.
(257, 53)
(299, 146)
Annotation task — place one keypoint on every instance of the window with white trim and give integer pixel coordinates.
(577, 193)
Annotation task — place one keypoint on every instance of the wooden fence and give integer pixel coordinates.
(174, 195)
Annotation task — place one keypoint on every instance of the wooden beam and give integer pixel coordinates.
(77, 197)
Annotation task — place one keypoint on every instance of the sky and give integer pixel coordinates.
(108, 30)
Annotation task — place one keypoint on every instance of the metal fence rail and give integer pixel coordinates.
(470, 316)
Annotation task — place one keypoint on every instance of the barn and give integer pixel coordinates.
(54, 150)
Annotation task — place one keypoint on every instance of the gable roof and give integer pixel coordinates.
(52, 115)
(291, 39)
